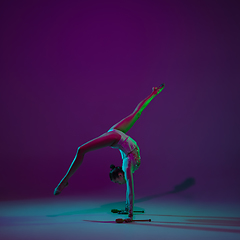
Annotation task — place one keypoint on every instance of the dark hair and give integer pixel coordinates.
(114, 172)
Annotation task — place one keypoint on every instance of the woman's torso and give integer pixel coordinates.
(129, 150)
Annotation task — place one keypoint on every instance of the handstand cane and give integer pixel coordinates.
(120, 220)
(119, 211)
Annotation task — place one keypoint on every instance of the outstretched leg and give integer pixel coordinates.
(125, 124)
(105, 140)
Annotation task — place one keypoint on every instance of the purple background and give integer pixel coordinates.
(72, 69)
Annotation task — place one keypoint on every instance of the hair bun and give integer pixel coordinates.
(112, 166)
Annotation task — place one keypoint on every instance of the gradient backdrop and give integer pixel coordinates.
(71, 69)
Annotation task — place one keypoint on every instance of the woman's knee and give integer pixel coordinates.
(80, 151)
(138, 115)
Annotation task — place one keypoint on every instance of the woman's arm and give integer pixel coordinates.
(130, 189)
(127, 202)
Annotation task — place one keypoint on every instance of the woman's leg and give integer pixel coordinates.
(105, 140)
(125, 124)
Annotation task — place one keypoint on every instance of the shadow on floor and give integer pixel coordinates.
(189, 182)
(179, 225)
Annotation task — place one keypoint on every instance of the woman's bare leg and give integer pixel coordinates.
(125, 124)
(105, 140)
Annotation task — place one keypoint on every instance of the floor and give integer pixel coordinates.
(90, 217)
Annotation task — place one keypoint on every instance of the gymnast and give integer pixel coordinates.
(116, 138)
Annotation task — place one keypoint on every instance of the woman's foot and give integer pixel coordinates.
(157, 90)
(59, 188)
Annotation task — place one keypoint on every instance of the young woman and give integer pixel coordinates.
(116, 138)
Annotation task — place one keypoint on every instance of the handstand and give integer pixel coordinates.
(116, 138)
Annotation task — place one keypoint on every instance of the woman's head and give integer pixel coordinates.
(117, 175)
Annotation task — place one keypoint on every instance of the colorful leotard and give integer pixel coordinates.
(129, 150)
